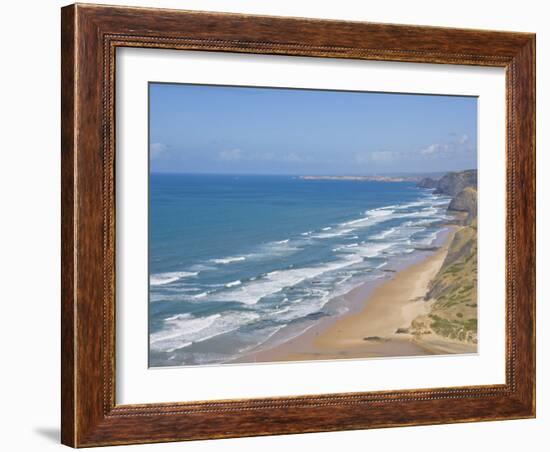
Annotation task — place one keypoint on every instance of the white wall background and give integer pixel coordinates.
(29, 226)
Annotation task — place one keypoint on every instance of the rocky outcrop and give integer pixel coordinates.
(451, 184)
(427, 182)
(465, 201)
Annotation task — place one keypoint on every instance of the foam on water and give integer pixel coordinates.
(182, 330)
(277, 248)
(429, 239)
(252, 292)
(233, 283)
(371, 249)
(330, 235)
(161, 279)
(228, 260)
(384, 234)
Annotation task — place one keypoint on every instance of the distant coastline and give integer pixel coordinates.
(367, 178)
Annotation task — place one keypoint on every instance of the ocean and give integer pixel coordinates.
(235, 260)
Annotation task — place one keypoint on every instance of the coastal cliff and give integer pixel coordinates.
(451, 184)
(464, 205)
(452, 295)
(428, 182)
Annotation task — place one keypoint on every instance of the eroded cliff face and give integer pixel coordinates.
(465, 202)
(453, 292)
(451, 184)
(428, 182)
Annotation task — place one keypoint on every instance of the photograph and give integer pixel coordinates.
(292, 224)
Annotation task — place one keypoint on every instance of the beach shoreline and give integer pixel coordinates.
(376, 322)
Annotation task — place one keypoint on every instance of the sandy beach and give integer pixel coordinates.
(371, 330)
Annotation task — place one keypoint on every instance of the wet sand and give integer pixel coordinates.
(370, 330)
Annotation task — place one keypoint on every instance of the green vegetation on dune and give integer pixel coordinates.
(453, 291)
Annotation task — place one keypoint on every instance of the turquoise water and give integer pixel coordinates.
(234, 260)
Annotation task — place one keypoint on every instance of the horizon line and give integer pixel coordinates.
(397, 173)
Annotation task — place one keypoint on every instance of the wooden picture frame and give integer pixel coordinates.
(90, 36)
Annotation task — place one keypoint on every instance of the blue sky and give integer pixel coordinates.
(241, 130)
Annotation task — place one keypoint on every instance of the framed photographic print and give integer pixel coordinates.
(281, 225)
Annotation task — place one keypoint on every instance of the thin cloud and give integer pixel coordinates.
(238, 154)
(460, 144)
(379, 156)
(157, 149)
(231, 154)
(293, 157)
(463, 139)
(385, 156)
(434, 149)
